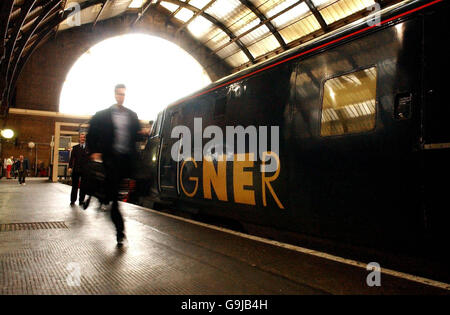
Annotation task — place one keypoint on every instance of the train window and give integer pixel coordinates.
(348, 104)
(156, 126)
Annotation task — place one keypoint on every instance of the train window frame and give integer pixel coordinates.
(156, 128)
(375, 114)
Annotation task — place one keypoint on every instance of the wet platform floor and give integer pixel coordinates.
(49, 247)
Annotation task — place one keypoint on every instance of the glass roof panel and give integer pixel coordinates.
(136, 3)
(255, 35)
(280, 7)
(200, 26)
(242, 13)
(319, 4)
(199, 3)
(248, 25)
(292, 15)
(169, 6)
(213, 36)
(218, 40)
(184, 14)
(267, 5)
(343, 8)
(237, 59)
(242, 24)
(228, 51)
(224, 9)
(264, 46)
(299, 29)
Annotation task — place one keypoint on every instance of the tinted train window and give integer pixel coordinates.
(156, 126)
(348, 104)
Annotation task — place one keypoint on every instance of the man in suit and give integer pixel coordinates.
(22, 168)
(112, 138)
(78, 166)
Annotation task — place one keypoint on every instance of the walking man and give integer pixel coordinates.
(112, 138)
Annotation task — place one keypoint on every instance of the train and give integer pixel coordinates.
(354, 127)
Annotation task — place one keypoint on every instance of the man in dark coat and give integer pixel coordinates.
(22, 168)
(78, 166)
(112, 138)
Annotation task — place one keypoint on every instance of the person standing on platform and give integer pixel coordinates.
(13, 169)
(112, 137)
(9, 164)
(78, 167)
(22, 167)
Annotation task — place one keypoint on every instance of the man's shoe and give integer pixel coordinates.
(72, 203)
(81, 203)
(120, 239)
(86, 203)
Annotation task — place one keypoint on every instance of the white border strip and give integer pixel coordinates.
(434, 283)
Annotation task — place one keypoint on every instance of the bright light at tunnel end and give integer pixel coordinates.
(155, 71)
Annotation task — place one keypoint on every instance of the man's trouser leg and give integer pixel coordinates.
(114, 175)
(82, 187)
(75, 182)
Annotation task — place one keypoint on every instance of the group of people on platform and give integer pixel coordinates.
(111, 139)
(17, 168)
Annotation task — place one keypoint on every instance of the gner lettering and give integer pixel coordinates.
(216, 179)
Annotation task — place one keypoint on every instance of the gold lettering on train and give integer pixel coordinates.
(243, 178)
(266, 180)
(194, 179)
(216, 179)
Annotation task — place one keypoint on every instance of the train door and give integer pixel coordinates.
(169, 167)
(150, 158)
(437, 67)
(436, 127)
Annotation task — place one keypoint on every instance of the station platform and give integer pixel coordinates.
(49, 247)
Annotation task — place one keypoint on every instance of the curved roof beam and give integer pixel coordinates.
(47, 28)
(317, 15)
(267, 20)
(104, 5)
(48, 8)
(144, 10)
(6, 9)
(9, 48)
(217, 23)
(24, 11)
(262, 18)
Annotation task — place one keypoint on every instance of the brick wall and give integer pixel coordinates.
(35, 129)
